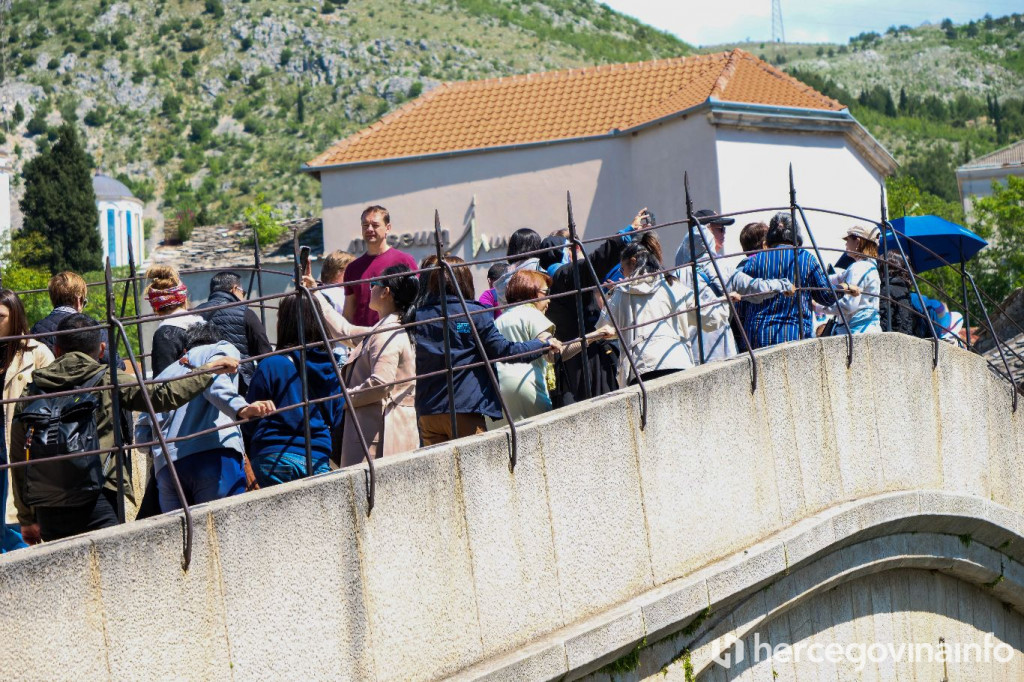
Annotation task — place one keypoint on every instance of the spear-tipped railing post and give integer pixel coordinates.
(300, 327)
(259, 274)
(115, 395)
(999, 345)
(580, 319)
(835, 294)
(446, 267)
(796, 248)
(694, 274)
(732, 307)
(884, 244)
(371, 483)
(886, 229)
(442, 278)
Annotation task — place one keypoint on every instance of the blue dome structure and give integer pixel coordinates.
(120, 221)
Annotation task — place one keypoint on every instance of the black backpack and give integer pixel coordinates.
(62, 426)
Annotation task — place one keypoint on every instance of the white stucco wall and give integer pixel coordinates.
(977, 183)
(753, 168)
(118, 252)
(610, 179)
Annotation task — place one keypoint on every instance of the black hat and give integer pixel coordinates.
(708, 213)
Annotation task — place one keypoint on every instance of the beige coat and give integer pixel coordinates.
(387, 414)
(16, 379)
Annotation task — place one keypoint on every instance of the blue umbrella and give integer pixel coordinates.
(931, 242)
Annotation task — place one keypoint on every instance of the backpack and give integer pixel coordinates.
(61, 426)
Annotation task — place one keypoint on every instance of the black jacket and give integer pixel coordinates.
(53, 320)
(241, 326)
(895, 297)
(562, 311)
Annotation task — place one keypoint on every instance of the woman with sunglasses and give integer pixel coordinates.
(380, 372)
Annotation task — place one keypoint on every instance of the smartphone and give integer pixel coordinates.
(647, 219)
(304, 259)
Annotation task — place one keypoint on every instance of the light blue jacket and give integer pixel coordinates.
(216, 406)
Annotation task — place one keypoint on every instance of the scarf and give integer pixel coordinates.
(162, 299)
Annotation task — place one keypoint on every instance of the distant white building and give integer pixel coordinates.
(975, 177)
(120, 220)
(496, 155)
(5, 195)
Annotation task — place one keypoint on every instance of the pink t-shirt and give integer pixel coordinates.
(368, 267)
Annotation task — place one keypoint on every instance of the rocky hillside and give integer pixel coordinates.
(201, 105)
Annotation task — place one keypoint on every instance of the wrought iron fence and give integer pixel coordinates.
(321, 337)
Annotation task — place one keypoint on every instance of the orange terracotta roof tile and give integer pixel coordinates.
(560, 105)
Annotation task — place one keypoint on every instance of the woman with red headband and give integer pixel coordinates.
(168, 295)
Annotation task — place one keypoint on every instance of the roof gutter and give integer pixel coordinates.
(793, 119)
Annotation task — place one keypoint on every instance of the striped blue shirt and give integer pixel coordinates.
(777, 320)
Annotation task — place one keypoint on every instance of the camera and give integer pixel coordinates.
(647, 219)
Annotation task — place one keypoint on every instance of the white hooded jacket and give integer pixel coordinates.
(656, 331)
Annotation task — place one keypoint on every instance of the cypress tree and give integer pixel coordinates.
(60, 204)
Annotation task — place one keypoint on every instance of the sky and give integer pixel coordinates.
(700, 22)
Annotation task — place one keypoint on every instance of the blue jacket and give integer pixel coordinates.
(474, 393)
(277, 379)
(217, 406)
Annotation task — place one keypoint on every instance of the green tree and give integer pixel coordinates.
(59, 203)
(999, 218)
(19, 113)
(215, 8)
(262, 217)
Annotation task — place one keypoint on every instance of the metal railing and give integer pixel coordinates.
(579, 261)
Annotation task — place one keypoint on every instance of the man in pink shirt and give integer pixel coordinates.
(379, 256)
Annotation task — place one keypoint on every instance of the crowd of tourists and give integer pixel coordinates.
(407, 346)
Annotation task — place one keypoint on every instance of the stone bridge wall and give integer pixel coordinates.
(604, 536)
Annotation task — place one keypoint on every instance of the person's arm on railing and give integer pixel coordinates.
(498, 347)
(176, 392)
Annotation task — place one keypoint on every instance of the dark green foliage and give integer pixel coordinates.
(215, 8)
(201, 130)
(192, 43)
(300, 106)
(935, 172)
(96, 117)
(37, 124)
(286, 56)
(171, 105)
(19, 113)
(245, 43)
(59, 204)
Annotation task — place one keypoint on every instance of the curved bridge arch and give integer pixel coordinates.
(604, 536)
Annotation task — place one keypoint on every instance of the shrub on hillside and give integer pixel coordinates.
(192, 43)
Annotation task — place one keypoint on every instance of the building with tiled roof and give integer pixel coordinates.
(499, 154)
(975, 177)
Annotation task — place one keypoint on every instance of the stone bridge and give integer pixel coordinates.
(877, 504)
